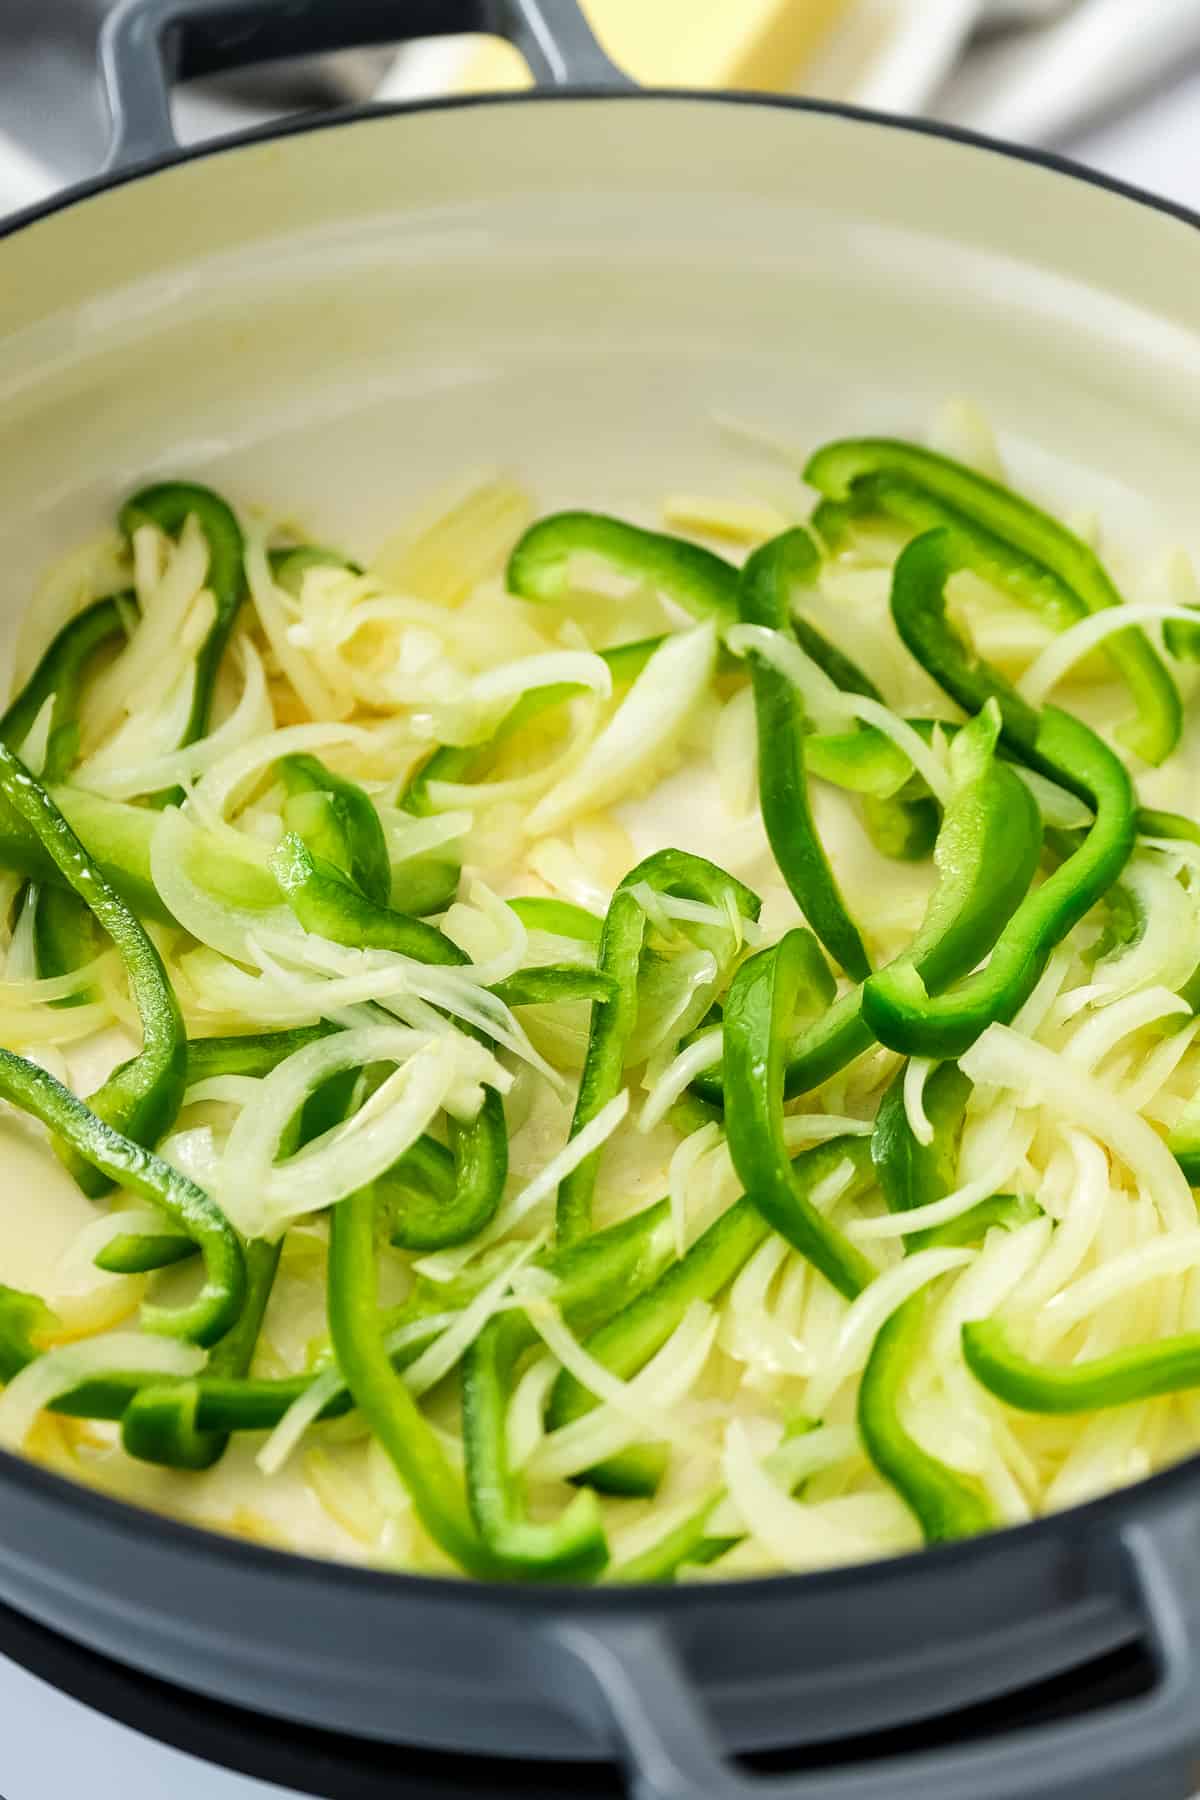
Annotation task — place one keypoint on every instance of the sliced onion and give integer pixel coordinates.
(642, 1407)
(1041, 1078)
(645, 724)
(870, 1311)
(1063, 651)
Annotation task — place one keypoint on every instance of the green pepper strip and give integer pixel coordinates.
(764, 598)
(945, 1503)
(571, 1547)
(985, 855)
(65, 938)
(218, 1306)
(116, 835)
(627, 1342)
(380, 1394)
(613, 1020)
(140, 1098)
(1167, 1366)
(897, 1005)
(159, 1424)
(1009, 541)
(561, 918)
(435, 1198)
(759, 1010)
(326, 903)
(548, 984)
(60, 672)
(337, 821)
(912, 1174)
(168, 505)
(703, 583)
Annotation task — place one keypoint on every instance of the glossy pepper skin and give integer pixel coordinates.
(159, 1423)
(65, 938)
(635, 1333)
(92, 1139)
(758, 1012)
(946, 1503)
(986, 855)
(436, 1197)
(612, 1023)
(1011, 542)
(897, 1004)
(168, 505)
(765, 598)
(337, 821)
(379, 1392)
(60, 672)
(703, 583)
(1168, 1365)
(140, 1098)
(326, 901)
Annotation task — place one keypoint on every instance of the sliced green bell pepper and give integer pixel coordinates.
(60, 673)
(613, 1020)
(703, 583)
(140, 1098)
(765, 598)
(91, 1138)
(1009, 541)
(338, 823)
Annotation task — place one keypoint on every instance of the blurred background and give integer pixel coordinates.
(1114, 82)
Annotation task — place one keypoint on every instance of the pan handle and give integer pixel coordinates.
(627, 1681)
(146, 45)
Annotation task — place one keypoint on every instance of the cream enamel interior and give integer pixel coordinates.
(328, 323)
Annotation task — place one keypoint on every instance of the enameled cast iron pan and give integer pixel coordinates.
(331, 316)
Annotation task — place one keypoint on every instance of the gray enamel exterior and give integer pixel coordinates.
(669, 1681)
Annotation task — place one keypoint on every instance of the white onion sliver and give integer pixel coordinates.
(1002, 1058)
(1063, 651)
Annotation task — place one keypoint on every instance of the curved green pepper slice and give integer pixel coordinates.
(91, 1138)
(945, 1503)
(338, 822)
(897, 1003)
(758, 1013)
(1009, 541)
(1168, 1366)
(65, 938)
(986, 854)
(60, 673)
(434, 1198)
(703, 583)
(168, 505)
(327, 903)
(159, 1423)
(380, 1394)
(764, 598)
(140, 1098)
(613, 1020)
